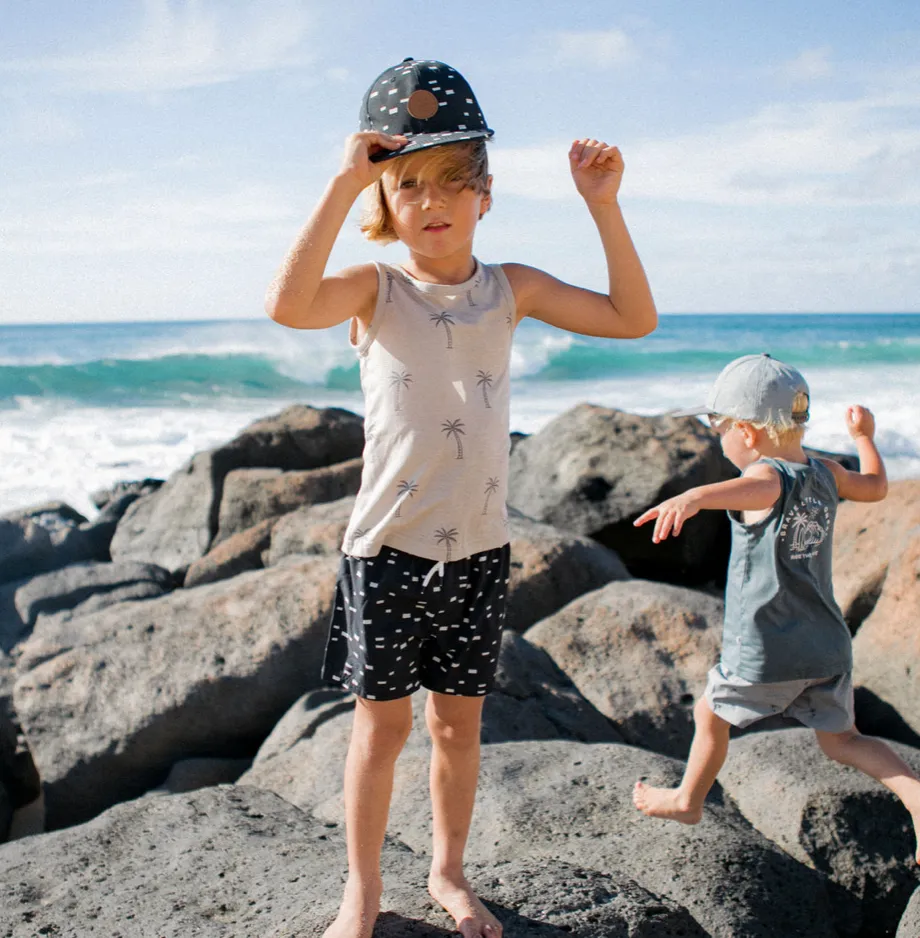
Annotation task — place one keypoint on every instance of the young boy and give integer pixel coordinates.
(421, 590)
(786, 648)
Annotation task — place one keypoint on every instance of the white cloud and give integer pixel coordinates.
(810, 65)
(603, 49)
(828, 153)
(187, 45)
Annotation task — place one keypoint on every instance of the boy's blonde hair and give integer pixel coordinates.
(780, 434)
(467, 162)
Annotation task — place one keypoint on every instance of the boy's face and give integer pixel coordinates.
(737, 439)
(433, 217)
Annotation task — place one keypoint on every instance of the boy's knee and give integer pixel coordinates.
(452, 731)
(383, 730)
(702, 712)
(836, 745)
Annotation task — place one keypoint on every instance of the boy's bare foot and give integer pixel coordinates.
(473, 919)
(665, 803)
(357, 913)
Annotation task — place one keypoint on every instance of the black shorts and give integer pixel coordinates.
(400, 622)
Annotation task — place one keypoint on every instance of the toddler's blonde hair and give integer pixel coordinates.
(467, 162)
(781, 433)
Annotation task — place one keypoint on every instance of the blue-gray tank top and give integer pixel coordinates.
(782, 622)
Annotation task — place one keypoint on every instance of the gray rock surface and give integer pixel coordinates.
(550, 567)
(254, 495)
(639, 651)
(593, 470)
(831, 817)
(909, 926)
(175, 525)
(192, 774)
(312, 529)
(236, 862)
(571, 802)
(237, 554)
(67, 588)
(110, 701)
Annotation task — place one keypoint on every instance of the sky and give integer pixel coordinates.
(158, 157)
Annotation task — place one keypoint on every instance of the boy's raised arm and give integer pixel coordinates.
(756, 490)
(870, 484)
(628, 310)
(301, 296)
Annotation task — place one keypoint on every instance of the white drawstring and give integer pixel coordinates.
(437, 568)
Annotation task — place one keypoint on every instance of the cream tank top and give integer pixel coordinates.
(435, 375)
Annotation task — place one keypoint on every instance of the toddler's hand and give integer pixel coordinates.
(597, 170)
(670, 516)
(860, 422)
(359, 148)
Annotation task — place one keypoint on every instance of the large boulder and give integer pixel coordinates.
(175, 525)
(303, 758)
(886, 650)
(254, 495)
(640, 652)
(106, 583)
(571, 802)
(910, 921)
(237, 554)
(312, 529)
(835, 819)
(238, 861)
(594, 470)
(867, 537)
(110, 701)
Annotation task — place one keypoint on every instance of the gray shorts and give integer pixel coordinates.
(824, 703)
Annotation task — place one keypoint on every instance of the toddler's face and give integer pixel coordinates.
(735, 445)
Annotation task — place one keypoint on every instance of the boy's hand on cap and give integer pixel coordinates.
(597, 170)
(860, 421)
(359, 147)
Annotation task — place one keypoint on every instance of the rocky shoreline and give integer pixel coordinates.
(170, 764)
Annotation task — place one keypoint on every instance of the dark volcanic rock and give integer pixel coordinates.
(831, 817)
(110, 701)
(594, 470)
(236, 861)
(175, 525)
(640, 652)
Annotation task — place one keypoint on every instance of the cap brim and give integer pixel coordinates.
(688, 412)
(427, 141)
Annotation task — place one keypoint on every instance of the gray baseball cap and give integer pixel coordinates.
(757, 388)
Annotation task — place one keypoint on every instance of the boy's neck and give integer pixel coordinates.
(457, 268)
(791, 452)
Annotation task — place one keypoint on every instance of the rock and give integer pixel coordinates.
(239, 861)
(12, 628)
(886, 650)
(910, 921)
(594, 470)
(254, 495)
(203, 672)
(640, 652)
(571, 802)
(550, 567)
(192, 774)
(867, 537)
(69, 587)
(833, 818)
(303, 758)
(312, 529)
(175, 525)
(236, 555)
(107, 499)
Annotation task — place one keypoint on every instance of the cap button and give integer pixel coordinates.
(408, 58)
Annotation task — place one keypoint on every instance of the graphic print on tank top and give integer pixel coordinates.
(491, 489)
(406, 489)
(446, 537)
(444, 319)
(805, 526)
(484, 380)
(454, 428)
(399, 380)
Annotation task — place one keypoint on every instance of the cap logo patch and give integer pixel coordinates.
(422, 105)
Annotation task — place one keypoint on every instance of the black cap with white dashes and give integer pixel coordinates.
(428, 102)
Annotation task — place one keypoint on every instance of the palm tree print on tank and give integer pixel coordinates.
(405, 489)
(444, 319)
(469, 298)
(491, 489)
(446, 537)
(389, 297)
(399, 380)
(484, 380)
(455, 429)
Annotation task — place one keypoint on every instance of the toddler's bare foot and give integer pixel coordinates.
(358, 912)
(665, 803)
(473, 919)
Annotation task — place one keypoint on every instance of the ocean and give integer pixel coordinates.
(83, 406)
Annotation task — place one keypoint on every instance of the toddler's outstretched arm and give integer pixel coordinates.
(757, 489)
(870, 484)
